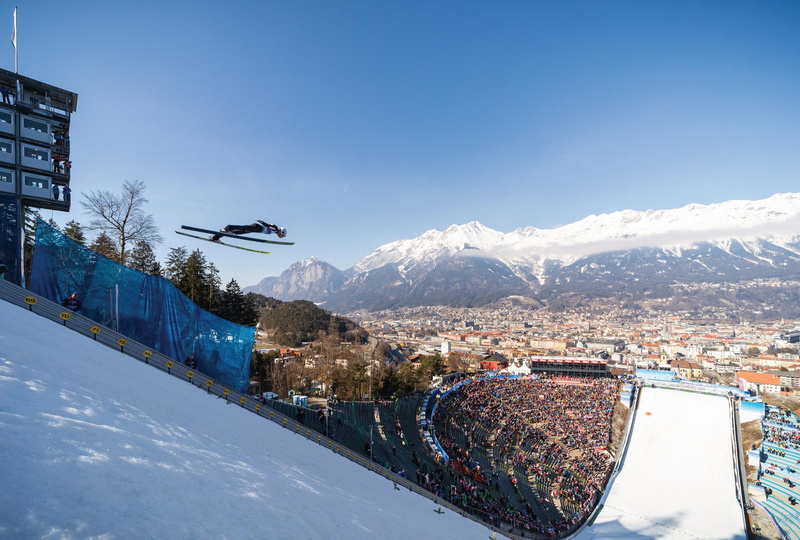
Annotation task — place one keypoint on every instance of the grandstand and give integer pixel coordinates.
(778, 469)
(543, 440)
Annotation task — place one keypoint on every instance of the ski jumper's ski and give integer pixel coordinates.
(222, 243)
(242, 237)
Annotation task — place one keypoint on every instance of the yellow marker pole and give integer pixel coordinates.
(226, 392)
(242, 400)
(147, 355)
(189, 375)
(65, 317)
(209, 384)
(169, 365)
(30, 300)
(95, 330)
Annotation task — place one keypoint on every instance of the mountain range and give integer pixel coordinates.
(634, 257)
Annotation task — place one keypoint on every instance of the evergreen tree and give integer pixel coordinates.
(105, 246)
(30, 217)
(196, 283)
(390, 383)
(74, 230)
(408, 377)
(214, 286)
(236, 307)
(429, 367)
(53, 224)
(143, 259)
(176, 265)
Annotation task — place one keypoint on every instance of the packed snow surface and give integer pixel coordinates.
(677, 479)
(99, 445)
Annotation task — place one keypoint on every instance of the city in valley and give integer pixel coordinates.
(708, 349)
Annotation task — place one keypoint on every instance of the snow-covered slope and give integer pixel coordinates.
(98, 445)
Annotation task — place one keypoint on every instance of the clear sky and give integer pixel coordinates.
(354, 124)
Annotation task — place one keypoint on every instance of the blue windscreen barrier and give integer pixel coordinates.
(9, 238)
(147, 309)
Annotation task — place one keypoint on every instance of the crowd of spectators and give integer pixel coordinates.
(552, 431)
(779, 429)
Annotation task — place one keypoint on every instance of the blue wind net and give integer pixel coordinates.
(147, 309)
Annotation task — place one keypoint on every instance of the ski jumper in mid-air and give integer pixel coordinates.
(257, 227)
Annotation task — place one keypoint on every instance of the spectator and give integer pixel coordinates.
(66, 191)
(72, 303)
(190, 362)
(55, 192)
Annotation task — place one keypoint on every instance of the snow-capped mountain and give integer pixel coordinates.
(621, 252)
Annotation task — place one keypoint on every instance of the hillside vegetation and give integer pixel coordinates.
(292, 323)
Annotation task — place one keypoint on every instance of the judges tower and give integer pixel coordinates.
(35, 165)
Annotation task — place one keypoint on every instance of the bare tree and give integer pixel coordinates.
(122, 217)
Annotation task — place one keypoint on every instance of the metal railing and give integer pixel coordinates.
(48, 309)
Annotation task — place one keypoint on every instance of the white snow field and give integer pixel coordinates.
(677, 480)
(98, 445)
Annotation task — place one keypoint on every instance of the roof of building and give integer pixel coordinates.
(758, 378)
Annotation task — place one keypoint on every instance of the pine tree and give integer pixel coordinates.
(176, 265)
(196, 283)
(236, 307)
(215, 285)
(105, 246)
(143, 259)
(74, 230)
(30, 217)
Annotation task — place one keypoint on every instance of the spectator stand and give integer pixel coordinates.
(778, 471)
(552, 452)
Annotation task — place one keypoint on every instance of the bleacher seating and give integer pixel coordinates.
(780, 460)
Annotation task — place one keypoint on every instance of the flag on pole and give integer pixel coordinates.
(14, 32)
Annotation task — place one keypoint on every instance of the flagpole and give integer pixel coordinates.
(14, 41)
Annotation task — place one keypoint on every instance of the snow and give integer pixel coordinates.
(677, 479)
(776, 218)
(99, 445)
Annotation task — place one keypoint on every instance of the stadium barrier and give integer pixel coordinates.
(740, 472)
(696, 387)
(771, 518)
(76, 322)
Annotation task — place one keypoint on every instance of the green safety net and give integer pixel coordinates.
(147, 309)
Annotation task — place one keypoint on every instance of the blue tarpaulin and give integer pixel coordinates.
(147, 309)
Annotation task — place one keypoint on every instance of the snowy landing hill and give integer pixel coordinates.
(628, 255)
(98, 445)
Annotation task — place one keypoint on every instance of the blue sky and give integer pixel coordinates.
(354, 124)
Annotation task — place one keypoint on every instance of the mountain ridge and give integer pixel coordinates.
(471, 264)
